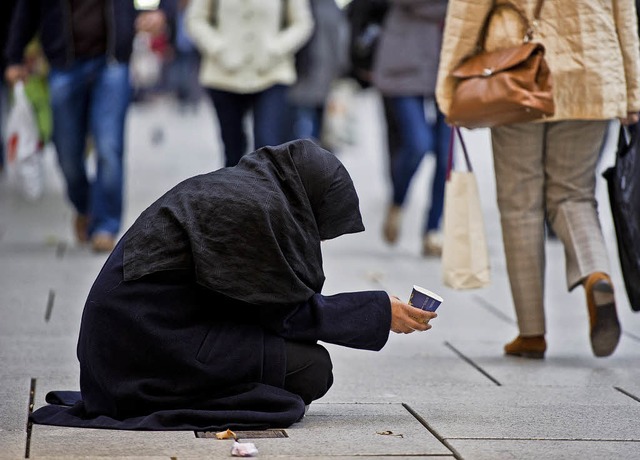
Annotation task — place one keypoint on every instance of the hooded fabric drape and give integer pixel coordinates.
(185, 326)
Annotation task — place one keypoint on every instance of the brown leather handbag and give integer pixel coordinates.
(509, 85)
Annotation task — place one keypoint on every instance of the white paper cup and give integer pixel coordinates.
(424, 299)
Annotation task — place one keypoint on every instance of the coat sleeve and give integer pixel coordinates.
(23, 27)
(462, 26)
(204, 34)
(626, 24)
(357, 320)
(298, 28)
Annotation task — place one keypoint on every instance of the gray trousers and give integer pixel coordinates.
(547, 167)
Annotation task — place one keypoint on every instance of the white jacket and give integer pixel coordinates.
(248, 45)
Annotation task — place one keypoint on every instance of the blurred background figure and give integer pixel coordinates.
(405, 71)
(366, 18)
(183, 69)
(247, 65)
(322, 60)
(88, 47)
(6, 11)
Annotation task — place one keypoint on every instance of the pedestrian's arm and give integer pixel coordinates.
(203, 33)
(23, 27)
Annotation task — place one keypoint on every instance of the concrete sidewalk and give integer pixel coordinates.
(446, 393)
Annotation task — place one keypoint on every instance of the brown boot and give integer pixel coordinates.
(391, 228)
(604, 328)
(527, 347)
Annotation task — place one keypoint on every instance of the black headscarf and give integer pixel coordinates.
(251, 232)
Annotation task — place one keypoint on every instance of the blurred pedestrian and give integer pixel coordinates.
(183, 70)
(322, 60)
(405, 71)
(247, 65)
(548, 168)
(208, 312)
(88, 45)
(6, 12)
(366, 18)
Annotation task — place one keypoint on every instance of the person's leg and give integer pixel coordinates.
(441, 134)
(573, 151)
(70, 93)
(518, 152)
(415, 140)
(269, 116)
(230, 110)
(572, 155)
(306, 122)
(309, 370)
(110, 99)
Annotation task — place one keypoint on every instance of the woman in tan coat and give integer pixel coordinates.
(547, 169)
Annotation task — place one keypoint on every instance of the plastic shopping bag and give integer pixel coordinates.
(623, 181)
(23, 146)
(145, 66)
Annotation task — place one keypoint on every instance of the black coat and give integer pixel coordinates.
(164, 350)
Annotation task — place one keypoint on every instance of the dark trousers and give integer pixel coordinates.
(309, 370)
(269, 111)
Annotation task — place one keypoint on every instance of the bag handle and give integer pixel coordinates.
(495, 7)
(456, 130)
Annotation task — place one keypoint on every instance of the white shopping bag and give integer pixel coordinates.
(465, 257)
(339, 123)
(145, 66)
(23, 146)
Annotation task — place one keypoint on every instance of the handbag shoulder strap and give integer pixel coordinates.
(495, 7)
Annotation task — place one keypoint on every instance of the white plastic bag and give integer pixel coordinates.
(145, 66)
(23, 147)
(339, 123)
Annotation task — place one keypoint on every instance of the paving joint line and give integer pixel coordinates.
(50, 300)
(493, 310)
(32, 395)
(626, 393)
(431, 430)
(472, 363)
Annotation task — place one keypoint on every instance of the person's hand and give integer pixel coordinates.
(406, 319)
(631, 119)
(15, 73)
(153, 22)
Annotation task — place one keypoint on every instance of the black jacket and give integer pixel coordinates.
(52, 20)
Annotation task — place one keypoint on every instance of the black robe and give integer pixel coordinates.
(185, 326)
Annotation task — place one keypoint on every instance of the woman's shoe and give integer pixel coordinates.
(103, 242)
(432, 244)
(527, 347)
(391, 227)
(604, 329)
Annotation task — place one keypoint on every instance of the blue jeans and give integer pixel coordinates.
(269, 109)
(417, 137)
(307, 122)
(91, 97)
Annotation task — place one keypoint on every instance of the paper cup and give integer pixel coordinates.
(424, 299)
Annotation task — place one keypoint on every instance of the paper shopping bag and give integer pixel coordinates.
(465, 257)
